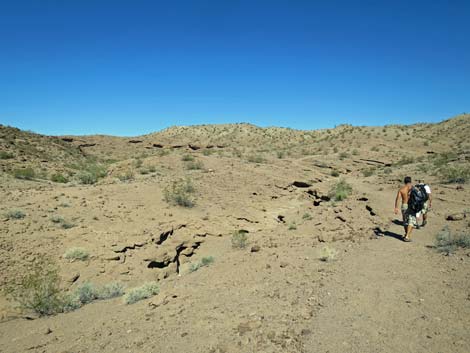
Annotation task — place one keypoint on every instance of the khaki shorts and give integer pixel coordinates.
(409, 219)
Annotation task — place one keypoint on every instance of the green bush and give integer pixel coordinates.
(368, 172)
(76, 254)
(91, 173)
(307, 216)
(87, 178)
(59, 178)
(62, 222)
(148, 290)
(6, 155)
(343, 155)
(340, 191)
(25, 174)
(15, 214)
(460, 174)
(111, 290)
(205, 261)
(180, 193)
(447, 242)
(239, 239)
(39, 291)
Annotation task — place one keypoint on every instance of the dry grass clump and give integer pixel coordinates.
(447, 242)
(205, 261)
(239, 239)
(79, 254)
(15, 214)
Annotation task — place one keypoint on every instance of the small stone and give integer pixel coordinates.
(48, 331)
(283, 264)
(255, 248)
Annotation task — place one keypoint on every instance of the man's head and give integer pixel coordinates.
(407, 180)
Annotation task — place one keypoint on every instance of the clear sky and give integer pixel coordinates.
(133, 67)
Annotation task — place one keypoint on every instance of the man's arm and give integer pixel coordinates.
(396, 202)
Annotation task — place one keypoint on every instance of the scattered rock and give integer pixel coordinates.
(255, 248)
(456, 217)
(301, 184)
(135, 141)
(73, 278)
(283, 264)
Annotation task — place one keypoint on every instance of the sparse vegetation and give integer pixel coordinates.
(59, 178)
(39, 291)
(458, 174)
(328, 254)
(205, 261)
(194, 165)
(62, 222)
(6, 155)
(334, 173)
(127, 175)
(256, 158)
(74, 254)
(340, 191)
(368, 172)
(239, 239)
(187, 158)
(15, 214)
(447, 242)
(307, 216)
(292, 226)
(146, 291)
(343, 155)
(91, 173)
(180, 193)
(25, 173)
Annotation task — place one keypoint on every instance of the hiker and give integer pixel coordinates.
(427, 204)
(409, 218)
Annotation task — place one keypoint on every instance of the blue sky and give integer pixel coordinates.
(133, 67)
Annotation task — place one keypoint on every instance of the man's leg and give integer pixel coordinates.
(409, 229)
(425, 217)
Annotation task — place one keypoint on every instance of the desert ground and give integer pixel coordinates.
(258, 239)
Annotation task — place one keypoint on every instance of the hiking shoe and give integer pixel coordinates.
(406, 240)
(418, 226)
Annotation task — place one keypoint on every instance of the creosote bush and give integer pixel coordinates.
(59, 178)
(340, 191)
(148, 290)
(180, 193)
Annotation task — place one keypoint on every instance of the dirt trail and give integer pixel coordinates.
(391, 296)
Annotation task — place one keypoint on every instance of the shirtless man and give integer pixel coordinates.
(409, 219)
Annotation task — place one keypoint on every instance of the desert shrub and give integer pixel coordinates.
(207, 152)
(340, 191)
(76, 254)
(91, 173)
(39, 290)
(15, 214)
(255, 158)
(239, 239)
(307, 216)
(205, 261)
(194, 165)
(334, 173)
(375, 148)
(328, 254)
(6, 155)
(62, 222)
(180, 193)
(343, 155)
(59, 178)
(138, 163)
(144, 171)
(187, 158)
(25, 173)
(355, 152)
(148, 290)
(292, 226)
(86, 293)
(152, 169)
(280, 154)
(111, 290)
(127, 175)
(368, 172)
(387, 170)
(447, 242)
(460, 174)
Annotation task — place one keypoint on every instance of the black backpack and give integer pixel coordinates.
(418, 196)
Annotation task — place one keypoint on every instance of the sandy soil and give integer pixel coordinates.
(379, 294)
